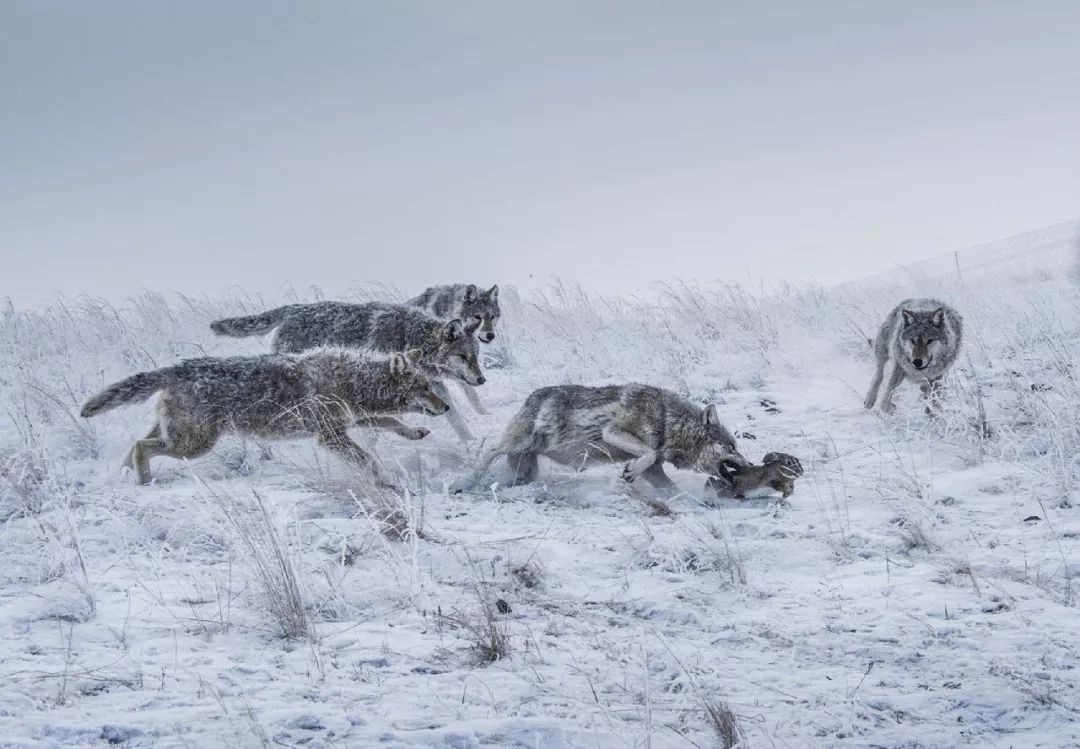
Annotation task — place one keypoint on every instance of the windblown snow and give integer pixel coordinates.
(917, 590)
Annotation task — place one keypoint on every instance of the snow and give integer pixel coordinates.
(918, 589)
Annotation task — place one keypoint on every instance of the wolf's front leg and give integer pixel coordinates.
(474, 399)
(338, 442)
(875, 385)
(632, 444)
(457, 423)
(931, 393)
(894, 382)
(655, 475)
(395, 425)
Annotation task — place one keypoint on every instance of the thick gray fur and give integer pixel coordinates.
(448, 347)
(646, 426)
(320, 393)
(463, 301)
(922, 337)
(777, 471)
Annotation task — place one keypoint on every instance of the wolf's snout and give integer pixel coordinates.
(920, 363)
(487, 337)
(480, 380)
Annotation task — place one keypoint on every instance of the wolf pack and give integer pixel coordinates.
(336, 365)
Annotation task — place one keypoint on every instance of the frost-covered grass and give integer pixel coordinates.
(918, 590)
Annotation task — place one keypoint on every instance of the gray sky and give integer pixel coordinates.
(195, 146)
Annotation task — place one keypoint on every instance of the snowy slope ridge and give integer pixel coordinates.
(918, 590)
(1022, 257)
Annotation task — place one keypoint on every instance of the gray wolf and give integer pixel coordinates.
(320, 393)
(777, 471)
(462, 301)
(643, 425)
(448, 347)
(922, 338)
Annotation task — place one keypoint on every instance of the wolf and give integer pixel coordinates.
(777, 471)
(922, 337)
(462, 301)
(448, 347)
(320, 393)
(643, 425)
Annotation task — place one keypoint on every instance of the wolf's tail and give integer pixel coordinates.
(134, 389)
(241, 327)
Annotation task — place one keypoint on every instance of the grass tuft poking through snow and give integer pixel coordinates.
(273, 566)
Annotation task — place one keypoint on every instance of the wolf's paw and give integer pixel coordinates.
(888, 407)
(628, 474)
(869, 402)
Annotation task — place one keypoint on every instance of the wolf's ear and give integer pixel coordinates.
(472, 324)
(938, 317)
(413, 356)
(909, 317)
(709, 417)
(493, 293)
(453, 330)
(471, 293)
(399, 365)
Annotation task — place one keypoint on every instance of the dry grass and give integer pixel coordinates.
(273, 567)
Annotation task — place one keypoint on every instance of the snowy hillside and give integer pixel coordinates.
(918, 589)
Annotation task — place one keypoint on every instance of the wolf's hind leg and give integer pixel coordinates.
(474, 399)
(129, 460)
(516, 443)
(180, 446)
(525, 466)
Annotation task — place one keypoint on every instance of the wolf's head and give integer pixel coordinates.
(482, 304)
(922, 336)
(419, 396)
(720, 448)
(456, 355)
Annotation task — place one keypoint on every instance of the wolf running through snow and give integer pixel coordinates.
(464, 301)
(448, 348)
(320, 393)
(643, 425)
(922, 337)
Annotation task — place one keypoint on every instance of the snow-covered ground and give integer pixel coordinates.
(918, 589)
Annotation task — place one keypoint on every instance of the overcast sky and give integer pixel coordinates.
(195, 146)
